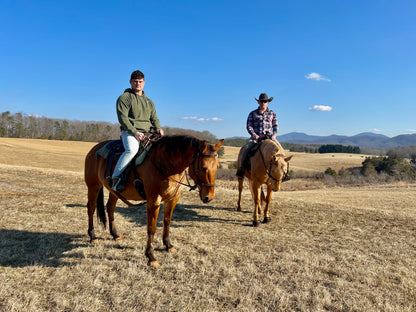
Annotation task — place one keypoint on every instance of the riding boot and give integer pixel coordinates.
(244, 159)
(114, 183)
(118, 185)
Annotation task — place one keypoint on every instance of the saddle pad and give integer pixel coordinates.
(117, 147)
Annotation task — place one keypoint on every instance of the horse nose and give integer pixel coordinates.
(276, 187)
(206, 199)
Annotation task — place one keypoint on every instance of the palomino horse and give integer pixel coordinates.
(269, 166)
(162, 173)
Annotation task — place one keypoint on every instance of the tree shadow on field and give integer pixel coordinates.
(181, 213)
(24, 248)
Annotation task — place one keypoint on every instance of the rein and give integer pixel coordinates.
(198, 182)
(268, 170)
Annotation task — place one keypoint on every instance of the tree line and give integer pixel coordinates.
(392, 164)
(20, 125)
(338, 148)
(391, 167)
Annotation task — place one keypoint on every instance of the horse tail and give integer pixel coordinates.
(101, 209)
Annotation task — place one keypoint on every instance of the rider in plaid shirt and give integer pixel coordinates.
(263, 120)
(260, 122)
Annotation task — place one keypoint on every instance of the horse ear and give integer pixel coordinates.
(203, 146)
(287, 159)
(218, 145)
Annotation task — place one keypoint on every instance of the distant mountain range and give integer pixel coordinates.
(365, 139)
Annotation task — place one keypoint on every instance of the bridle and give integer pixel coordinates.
(198, 182)
(269, 170)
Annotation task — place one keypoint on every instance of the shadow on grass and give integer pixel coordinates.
(24, 248)
(181, 213)
(76, 205)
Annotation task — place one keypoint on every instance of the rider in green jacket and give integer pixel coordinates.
(136, 114)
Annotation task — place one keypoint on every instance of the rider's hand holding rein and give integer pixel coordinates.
(139, 136)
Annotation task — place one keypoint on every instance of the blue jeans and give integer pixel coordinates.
(131, 147)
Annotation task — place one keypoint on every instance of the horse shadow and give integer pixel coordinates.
(76, 205)
(186, 213)
(24, 248)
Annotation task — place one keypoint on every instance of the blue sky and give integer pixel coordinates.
(333, 67)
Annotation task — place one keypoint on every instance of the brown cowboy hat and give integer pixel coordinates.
(264, 97)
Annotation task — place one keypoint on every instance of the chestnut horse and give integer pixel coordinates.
(162, 173)
(269, 166)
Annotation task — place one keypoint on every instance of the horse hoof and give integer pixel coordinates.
(154, 264)
(256, 223)
(238, 208)
(118, 239)
(172, 250)
(94, 241)
(267, 219)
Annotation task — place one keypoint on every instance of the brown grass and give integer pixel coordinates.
(335, 249)
(306, 162)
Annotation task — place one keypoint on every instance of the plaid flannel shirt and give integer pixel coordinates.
(261, 124)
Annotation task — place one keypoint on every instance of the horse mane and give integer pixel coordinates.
(272, 147)
(174, 144)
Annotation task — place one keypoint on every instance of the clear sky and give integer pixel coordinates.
(333, 66)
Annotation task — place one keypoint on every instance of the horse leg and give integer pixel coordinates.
(240, 189)
(167, 217)
(93, 193)
(255, 192)
(152, 213)
(261, 200)
(268, 199)
(111, 207)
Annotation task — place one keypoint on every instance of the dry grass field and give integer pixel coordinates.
(326, 249)
(306, 161)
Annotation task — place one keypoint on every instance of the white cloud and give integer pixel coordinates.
(200, 119)
(320, 108)
(375, 130)
(411, 130)
(317, 77)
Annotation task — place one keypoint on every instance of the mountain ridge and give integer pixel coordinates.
(364, 139)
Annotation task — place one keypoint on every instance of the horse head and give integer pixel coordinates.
(203, 168)
(278, 170)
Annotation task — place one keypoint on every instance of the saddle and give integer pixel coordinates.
(112, 152)
(252, 150)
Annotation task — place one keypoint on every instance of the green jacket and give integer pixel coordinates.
(136, 113)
